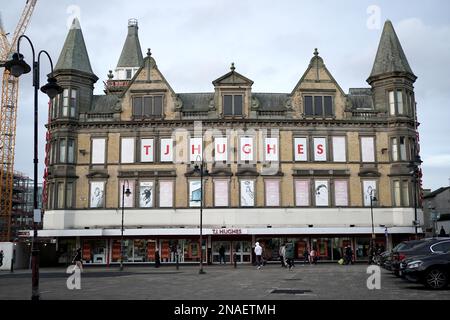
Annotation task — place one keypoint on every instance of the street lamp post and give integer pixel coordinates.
(198, 168)
(414, 165)
(127, 193)
(17, 66)
(372, 242)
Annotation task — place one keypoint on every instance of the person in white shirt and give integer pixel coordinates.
(258, 253)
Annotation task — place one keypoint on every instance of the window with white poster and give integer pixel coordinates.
(339, 149)
(97, 196)
(220, 149)
(196, 149)
(127, 150)
(340, 193)
(369, 190)
(195, 196)
(300, 149)
(246, 148)
(221, 193)
(165, 194)
(367, 149)
(166, 150)
(271, 149)
(302, 193)
(247, 193)
(147, 150)
(98, 151)
(146, 191)
(320, 149)
(321, 193)
(272, 192)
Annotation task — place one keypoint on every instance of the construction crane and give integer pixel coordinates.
(8, 115)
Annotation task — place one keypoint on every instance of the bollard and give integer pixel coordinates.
(178, 267)
(234, 259)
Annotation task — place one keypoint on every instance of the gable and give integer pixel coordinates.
(233, 78)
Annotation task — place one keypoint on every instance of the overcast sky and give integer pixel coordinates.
(271, 42)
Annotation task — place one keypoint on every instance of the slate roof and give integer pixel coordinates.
(131, 55)
(436, 192)
(74, 55)
(196, 101)
(271, 101)
(109, 103)
(390, 56)
(360, 98)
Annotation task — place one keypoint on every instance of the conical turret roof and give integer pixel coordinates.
(131, 55)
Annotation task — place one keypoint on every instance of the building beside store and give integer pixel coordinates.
(296, 166)
(436, 211)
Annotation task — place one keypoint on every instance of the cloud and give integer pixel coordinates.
(437, 161)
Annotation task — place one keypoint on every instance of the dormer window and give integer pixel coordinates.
(147, 106)
(318, 106)
(232, 105)
(129, 74)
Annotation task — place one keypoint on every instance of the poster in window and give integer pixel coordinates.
(247, 193)
(195, 149)
(272, 193)
(369, 189)
(321, 193)
(116, 251)
(271, 149)
(127, 150)
(194, 193)
(98, 151)
(341, 193)
(221, 193)
(165, 251)
(166, 194)
(367, 149)
(166, 150)
(146, 194)
(147, 150)
(339, 149)
(301, 149)
(220, 149)
(151, 248)
(97, 195)
(302, 193)
(246, 149)
(320, 149)
(128, 201)
(87, 252)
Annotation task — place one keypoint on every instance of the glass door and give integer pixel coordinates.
(216, 245)
(243, 251)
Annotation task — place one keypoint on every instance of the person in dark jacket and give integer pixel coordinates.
(222, 254)
(157, 259)
(442, 232)
(1, 257)
(306, 256)
(289, 254)
(348, 255)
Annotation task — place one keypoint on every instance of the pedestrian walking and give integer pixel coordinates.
(77, 261)
(313, 256)
(442, 232)
(282, 253)
(258, 254)
(290, 255)
(1, 257)
(157, 259)
(305, 256)
(348, 254)
(222, 254)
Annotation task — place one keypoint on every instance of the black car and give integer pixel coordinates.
(426, 246)
(404, 245)
(433, 270)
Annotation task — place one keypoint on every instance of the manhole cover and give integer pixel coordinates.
(290, 291)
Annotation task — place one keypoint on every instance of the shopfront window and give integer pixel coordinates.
(323, 248)
(94, 251)
(134, 250)
(66, 250)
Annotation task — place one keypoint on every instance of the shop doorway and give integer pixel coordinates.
(242, 250)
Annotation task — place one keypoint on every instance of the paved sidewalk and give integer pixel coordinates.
(323, 281)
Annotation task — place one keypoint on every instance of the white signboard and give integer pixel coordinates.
(302, 193)
(272, 193)
(98, 151)
(195, 149)
(146, 192)
(128, 201)
(340, 193)
(147, 150)
(339, 149)
(321, 192)
(220, 149)
(97, 198)
(300, 149)
(367, 149)
(271, 149)
(221, 193)
(320, 149)
(247, 193)
(127, 150)
(369, 189)
(195, 195)
(165, 194)
(246, 149)
(166, 150)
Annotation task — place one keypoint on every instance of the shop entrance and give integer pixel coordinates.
(242, 249)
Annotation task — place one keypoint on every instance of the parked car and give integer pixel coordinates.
(431, 270)
(404, 245)
(426, 246)
(382, 258)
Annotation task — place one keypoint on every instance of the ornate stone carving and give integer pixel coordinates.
(255, 103)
